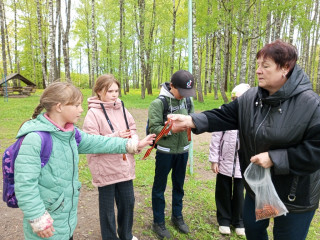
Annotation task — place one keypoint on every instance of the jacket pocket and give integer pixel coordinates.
(57, 205)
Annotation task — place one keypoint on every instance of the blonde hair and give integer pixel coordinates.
(57, 92)
(103, 83)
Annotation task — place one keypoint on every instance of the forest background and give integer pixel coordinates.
(142, 42)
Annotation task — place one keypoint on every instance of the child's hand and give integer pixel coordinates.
(214, 167)
(124, 134)
(43, 226)
(148, 140)
(46, 233)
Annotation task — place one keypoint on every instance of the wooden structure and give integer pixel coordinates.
(8, 89)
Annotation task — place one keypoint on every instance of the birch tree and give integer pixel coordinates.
(174, 16)
(196, 73)
(43, 59)
(65, 40)
(93, 44)
(3, 41)
(52, 59)
(120, 47)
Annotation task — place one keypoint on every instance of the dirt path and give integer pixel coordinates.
(88, 217)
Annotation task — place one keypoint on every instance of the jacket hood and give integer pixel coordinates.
(165, 90)
(94, 102)
(298, 82)
(38, 124)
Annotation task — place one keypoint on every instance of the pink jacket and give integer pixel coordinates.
(222, 151)
(107, 169)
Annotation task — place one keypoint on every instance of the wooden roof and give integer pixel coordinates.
(18, 76)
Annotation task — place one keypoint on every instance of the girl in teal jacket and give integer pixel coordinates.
(48, 196)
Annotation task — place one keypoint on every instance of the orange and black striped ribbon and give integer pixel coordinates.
(165, 130)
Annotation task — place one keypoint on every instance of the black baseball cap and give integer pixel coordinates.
(184, 82)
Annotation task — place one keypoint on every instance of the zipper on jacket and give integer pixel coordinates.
(255, 135)
(72, 136)
(235, 155)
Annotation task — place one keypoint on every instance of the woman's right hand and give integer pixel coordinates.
(215, 167)
(180, 122)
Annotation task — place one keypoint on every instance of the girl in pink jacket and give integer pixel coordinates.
(112, 173)
(224, 160)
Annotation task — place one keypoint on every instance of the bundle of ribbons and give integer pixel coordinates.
(164, 131)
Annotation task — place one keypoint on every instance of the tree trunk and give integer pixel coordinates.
(120, 47)
(65, 42)
(316, 39)
(93, 44)
(195, 54)
(207, 69)
(236, 60)
(174, 16)
(51, 43)
(253, 49)
(148, 51)
(207, 62)
(318, 77)
(215, 90)
(7, 38)
(292, 19)
(268, 27)
(15, 38)
(43, 59)
(58, 73)
(244, 49)
(34, 79)
(140, 32)
(3, 42)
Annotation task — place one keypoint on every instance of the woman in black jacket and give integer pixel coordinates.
(279, 128)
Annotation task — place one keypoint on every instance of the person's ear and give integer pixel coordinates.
(285, 70)
(58, 107)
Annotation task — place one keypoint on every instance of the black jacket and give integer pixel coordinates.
(287, 126)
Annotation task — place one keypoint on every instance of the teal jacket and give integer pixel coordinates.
(172, 143)
(56, 186)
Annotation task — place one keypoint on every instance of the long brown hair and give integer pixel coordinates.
(104, 82)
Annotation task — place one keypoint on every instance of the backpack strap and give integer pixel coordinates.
(188, 101)
(77, 136)
(125, 115)
(165, 107)
(46, 147)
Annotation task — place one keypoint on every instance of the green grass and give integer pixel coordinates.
(199, 204)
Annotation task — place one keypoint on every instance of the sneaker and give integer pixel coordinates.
(224, 230)
(160, 230)
(240, 232)
(180, 224)
(134, 238)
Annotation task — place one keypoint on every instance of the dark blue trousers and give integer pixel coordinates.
(123, 193)
(164, 164)
(293, 226)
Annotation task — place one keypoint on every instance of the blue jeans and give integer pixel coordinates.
(164, 164)
(293, 226)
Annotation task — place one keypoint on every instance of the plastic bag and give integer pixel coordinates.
(267, 201)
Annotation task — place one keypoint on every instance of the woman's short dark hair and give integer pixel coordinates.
(282, 53)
